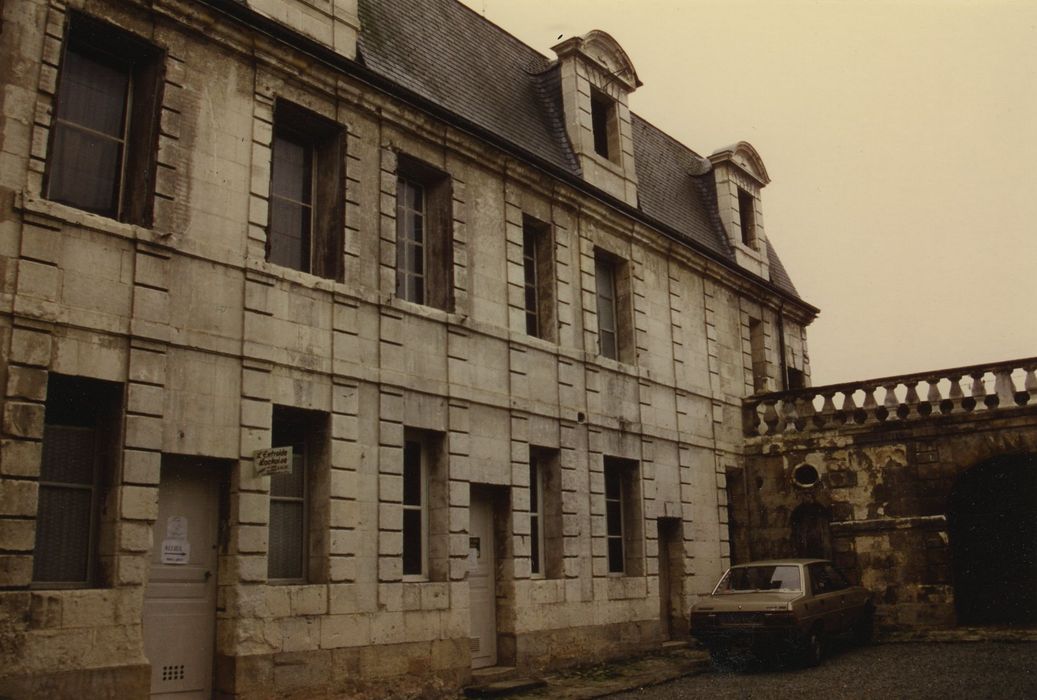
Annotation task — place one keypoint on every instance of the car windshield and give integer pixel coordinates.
(771, 577)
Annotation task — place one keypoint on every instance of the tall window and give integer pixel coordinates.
(424, 235)
(608, 316)
(538, 277)
(758, 356)
(104, 134)
(747, 217)
(297, 523)
(604, 125)
(410, 241)
(415, 509)
(79, 435)
(623, 522)
(614, 518)
(305, 231)
(536, 515)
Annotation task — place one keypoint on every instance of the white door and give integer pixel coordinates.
(482, 583)
(180, 598)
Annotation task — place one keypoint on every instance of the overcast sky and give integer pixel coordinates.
(901, 141)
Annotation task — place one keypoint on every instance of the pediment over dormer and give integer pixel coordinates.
(600, 48)
(744, 156)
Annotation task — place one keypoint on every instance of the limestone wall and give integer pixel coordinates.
(205, 337)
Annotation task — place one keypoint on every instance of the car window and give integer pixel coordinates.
(774, 577)
(819, 582)
(835, 578)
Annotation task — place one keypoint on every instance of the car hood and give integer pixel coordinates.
(758, 601)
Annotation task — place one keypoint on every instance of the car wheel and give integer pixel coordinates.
(813, 649)
(864, 628)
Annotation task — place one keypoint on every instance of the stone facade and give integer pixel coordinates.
(923, 490)
(190, 338)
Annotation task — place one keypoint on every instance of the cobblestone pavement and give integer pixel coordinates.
(883, 671)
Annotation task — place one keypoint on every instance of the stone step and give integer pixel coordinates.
(500, 688)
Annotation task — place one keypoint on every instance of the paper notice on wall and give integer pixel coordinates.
(176, 552)
(273, 460)
(176, 527)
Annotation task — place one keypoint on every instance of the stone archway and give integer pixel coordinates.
(810, 532)
(992, 521)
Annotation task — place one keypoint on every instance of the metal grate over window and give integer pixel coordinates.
(68, 491)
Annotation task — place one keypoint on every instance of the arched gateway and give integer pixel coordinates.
(992, 520)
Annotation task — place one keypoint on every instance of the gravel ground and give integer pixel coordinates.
(883, 671)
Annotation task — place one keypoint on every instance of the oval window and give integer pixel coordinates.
(805, 475)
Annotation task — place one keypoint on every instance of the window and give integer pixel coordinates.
(80, 436)
(297, 516)
(747, 217)
(424, 235)
(612, 289)
(536, 517)
(415, 510)
(604, 126)
(105, 129)
(538, 280)
(605, 283)
(758, 355)
(623, 517)
(545, 513)
(306, 220)
(426, 511)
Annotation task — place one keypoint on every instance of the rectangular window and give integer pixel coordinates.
(306, 211)
(538, 278)
(415, 510)
(105, 129)
(747, 217)
(536, 516)
(613, 295)
(614, 519)
(758, 356)
(623, 526)
(424, 235)
(80, 435)
(298, 518)
(604, 125)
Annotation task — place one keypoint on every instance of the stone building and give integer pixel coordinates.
(356, 343)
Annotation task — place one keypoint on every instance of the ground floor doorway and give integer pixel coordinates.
(482, 578)
(180, 598)
(672, 616)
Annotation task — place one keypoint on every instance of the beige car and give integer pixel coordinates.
(787, 607)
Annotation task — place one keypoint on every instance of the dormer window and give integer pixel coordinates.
(747, 217)
(603, 123)
(596, 79)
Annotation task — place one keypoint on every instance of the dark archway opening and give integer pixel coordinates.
(811, 536)
(992, 520)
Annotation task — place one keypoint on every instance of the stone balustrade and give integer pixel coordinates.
(891, 400)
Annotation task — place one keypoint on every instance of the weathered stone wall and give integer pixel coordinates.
(205, 336)
(886, 490)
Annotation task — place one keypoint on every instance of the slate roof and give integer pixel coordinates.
(448, 54)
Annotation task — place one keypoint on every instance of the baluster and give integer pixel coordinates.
(845, 413)
(1029, 393)
(932, 397)
(827, 412)
(867, 414)
(979, 392)
(1004, 390)
(889, 403)
(910, 399)
(770, 417)
(791, 415)
(953, 400)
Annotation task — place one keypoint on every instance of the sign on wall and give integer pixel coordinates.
(274, 460)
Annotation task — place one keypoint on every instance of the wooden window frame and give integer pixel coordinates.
(537, 558)
(747, 217)
(437, 234)
(538, 278)
(416, 442)
(629, 559)
(604, 125)
(144, 67)
(79, 403)
(323, 140)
